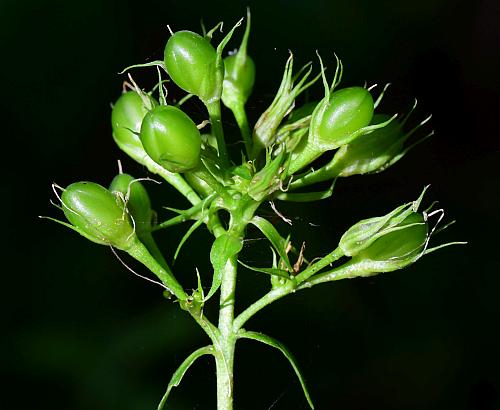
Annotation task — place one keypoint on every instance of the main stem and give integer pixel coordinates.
(227, 338)
(241, 214)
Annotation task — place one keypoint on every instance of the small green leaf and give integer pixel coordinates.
(181, 370)
(269, 271)
(268, 340)
(191, 229)
(279, 243)
(223, 249)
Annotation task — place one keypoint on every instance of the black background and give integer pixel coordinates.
(83, 333)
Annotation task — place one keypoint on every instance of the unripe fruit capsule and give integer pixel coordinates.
(127, 115)
(137, 200)
(347, 111)
(98, 214)
(171, 139)
(190, 61)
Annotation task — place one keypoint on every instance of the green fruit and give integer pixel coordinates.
(239, 78)
(136, 199)
(190, 61)
(98, 214)
(171, 139)
(126, 118)
(347, 111)
(396, 249)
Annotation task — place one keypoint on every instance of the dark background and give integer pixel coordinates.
(83, 333)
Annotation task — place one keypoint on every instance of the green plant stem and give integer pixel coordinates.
(304, 155)
(214, 112)
(176, 180)
(268, 298)
(241, 118)
(346, 271)
(139, 251)
(325, 173)
(333, 256)
(289, 287)
(203, 173)
(242, 212)
(186, 215)
(224, 357)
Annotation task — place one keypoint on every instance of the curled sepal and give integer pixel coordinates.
(239, 74)
(366, 232)
(182, 369)
(126, 119)
(268, 340)
(171, 139)
(98, 214)
(264, 134)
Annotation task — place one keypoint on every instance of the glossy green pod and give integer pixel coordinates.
(98, 214)
(335, 121)
(126, 118)
(136, 198)
(171, 139)
(190, 61)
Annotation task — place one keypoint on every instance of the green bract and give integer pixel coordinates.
(126, 119)
(190, 61)
(136, 200)
(171, 139)
(98, 214)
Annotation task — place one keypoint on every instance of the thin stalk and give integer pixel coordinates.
(333, 256)
(176, 180)
(347, 271)
(214, 111)
(241, 118)
(203, 173)
(319, 175)
(139, 251)
(268, 298)
(299, 282)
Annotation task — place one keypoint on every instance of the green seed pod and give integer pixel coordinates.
(239, 77)
(136, 199)
(171, 139)
(98, 214)
(126, 119)
(239, 74)
(397, 249)
(338, 119)
(363, 234)
(191, 62)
